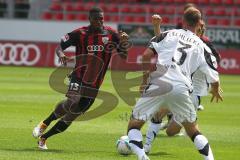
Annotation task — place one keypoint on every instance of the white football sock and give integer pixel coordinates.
(203, 147)
(135, 141)
(153, 130)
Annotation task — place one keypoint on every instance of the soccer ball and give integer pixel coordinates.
(123, 146)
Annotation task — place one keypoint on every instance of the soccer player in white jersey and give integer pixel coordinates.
(179, 54)
(200, 88)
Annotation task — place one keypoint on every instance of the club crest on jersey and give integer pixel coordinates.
(65, 38)
(105, 40)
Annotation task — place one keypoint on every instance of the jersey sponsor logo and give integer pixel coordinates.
(19, 54)
(65, 38)
(105, 40)
(94, 48)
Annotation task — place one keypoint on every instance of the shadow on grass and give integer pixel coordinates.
(160, 154)
(164, 136)
(57, 151)
(32, 150)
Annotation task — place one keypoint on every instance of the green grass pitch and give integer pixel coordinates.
(26, 99)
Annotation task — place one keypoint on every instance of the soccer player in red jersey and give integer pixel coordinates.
(95, 45)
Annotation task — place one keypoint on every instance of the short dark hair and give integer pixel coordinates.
(95, 10)
(192, 16)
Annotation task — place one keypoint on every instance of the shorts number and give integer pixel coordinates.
(73, 86)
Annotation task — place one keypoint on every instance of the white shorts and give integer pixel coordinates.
(195, 99)
(178, 101)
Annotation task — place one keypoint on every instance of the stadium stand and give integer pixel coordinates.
(21, 8)
(3, 8)
(217, 12)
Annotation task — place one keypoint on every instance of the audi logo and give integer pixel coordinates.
(19, 54)
(93, 48)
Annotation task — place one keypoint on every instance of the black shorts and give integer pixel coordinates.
(82, 93)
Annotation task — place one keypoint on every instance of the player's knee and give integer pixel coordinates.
(76, 105)
(84, 104)
(135, 124)
(171, 133)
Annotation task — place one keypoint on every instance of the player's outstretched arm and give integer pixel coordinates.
(123, 36)
(146, 64)
(216, 92)
(156, 22)
(63, 59)
(124, 44)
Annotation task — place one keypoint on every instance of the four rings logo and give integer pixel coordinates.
(93, 48)
(19, 54)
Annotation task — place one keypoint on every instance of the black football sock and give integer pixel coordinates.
(51, 118)
(59, 127)
(169, 116)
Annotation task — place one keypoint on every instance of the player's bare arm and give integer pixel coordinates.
(123, 38)
(62, 58)
(156, 22)
(146, 59)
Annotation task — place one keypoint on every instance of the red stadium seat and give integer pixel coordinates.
(82, 17)
(157, 1)
(209, 11)
(137, 9)
(215, 2)
(111, 18)
(79, 7)
(179, 11)
(236, 11)
(180, 1)
(103, 6)
(237, 2)
(220, 11)
(70, 17)
(228, 2)
(88, 6)
(140, 19)
(56, 7)
(125, 9)
(237, 22)
(114, 18)
(107, 18)
(224, 22)
(128, 19)
(111, 8)
(47, 16)
(191, 1)
(69, 7)
(165, 20)
(177, 20)
(58, 16)
(212, 21)
(158, 10)
(170, 10)
(167, 1)
(203, 2)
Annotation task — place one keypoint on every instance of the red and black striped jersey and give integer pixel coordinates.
(93, 53)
